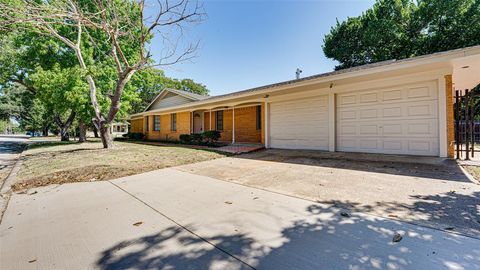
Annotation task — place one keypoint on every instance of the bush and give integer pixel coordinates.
(197, 138)
(135, 136)
(185, 138)
(205, 138)
(211, 136)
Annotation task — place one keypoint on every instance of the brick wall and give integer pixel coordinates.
(136, 125)
(450, 117)
(165, 132)
(245, 125)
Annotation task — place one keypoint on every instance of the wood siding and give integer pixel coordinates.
(168, 101)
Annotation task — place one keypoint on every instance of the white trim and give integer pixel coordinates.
(442, 116)
(331, 122)
(266, 132)
(233, 124)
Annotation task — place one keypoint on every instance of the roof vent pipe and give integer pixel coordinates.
(297, 73)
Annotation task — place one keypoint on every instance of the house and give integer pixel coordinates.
(117, 129)
(392, 107)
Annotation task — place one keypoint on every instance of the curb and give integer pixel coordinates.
(6, 187)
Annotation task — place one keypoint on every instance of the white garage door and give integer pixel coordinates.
(300, 124)
(402, 120)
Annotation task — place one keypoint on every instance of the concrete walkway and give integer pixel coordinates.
(169, 219)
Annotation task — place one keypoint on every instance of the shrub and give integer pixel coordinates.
(196, 138)
(136, 136)
(185, 138)
(211, 136)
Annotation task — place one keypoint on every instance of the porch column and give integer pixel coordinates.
(210, 114)
(191, 122)
(266, 132)
(233, 124)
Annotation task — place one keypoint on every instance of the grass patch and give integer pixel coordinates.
(66, 162)
(474, 171)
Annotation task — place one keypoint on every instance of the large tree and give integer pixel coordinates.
(115, 32)
(397, 29)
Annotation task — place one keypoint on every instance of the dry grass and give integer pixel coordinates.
(60, 162)
(474, 171)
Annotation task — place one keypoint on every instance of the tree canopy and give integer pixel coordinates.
(398, 29)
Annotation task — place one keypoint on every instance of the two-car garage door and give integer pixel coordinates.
(400, 120)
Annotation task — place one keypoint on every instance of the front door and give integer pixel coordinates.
(197, 122)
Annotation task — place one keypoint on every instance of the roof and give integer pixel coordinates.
(189, 95)
(354, 71)
(347, 70)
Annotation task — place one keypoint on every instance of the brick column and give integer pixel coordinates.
(450, 117)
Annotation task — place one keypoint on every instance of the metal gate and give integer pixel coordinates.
(467, 125)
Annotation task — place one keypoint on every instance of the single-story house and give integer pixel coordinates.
(392, 107)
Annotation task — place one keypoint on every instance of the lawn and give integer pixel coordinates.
(65, 162)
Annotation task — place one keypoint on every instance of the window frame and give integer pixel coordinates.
(217, 118)
(173, 122)
(155, 127)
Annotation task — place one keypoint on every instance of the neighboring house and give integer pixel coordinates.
(117, 129)
(392, 107)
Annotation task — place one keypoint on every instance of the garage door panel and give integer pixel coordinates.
(401, 120)
(300, 124)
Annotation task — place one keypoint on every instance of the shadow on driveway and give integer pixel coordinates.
(309, 243)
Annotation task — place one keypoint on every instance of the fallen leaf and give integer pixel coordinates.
(397, 238)
(228, 202)
(392, 215)
(31, 261)
(256, 198)
(35, 192)
(137, 223)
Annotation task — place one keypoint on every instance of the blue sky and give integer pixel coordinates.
(245, 44)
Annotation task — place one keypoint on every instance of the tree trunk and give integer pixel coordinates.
(82, 134)
(105, 135)
(95, 131)
(64, 136)
(45, 131)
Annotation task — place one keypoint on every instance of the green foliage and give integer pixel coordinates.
(397, 29)
(211, 136)
(135, 136)
(206, 138)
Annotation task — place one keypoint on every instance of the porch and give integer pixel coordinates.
(239, 124)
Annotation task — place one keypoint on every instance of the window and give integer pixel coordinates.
(156, 123)
(147, 123)
(173, 125)
(219, 120)
(259, 117)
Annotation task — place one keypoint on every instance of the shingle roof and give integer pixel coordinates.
(341, 71)
(189, 94)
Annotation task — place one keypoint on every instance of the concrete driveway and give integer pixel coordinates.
(425, 191)
(169, 219)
